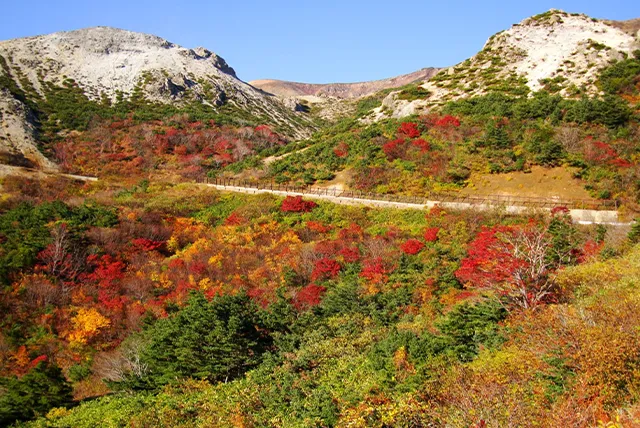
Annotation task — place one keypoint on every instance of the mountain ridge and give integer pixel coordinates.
(340, 90)
(106, 66)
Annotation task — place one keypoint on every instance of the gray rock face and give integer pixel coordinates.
(18, 145)
(105, 62)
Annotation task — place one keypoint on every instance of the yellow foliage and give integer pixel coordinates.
(21, 357)
(162, 278)
(57, 413)
(199, 246)
(87, 324)
(205, 284)
(185, 230)
(216, 260)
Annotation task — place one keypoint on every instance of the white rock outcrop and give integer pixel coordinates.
(109, 62)
(553, 48)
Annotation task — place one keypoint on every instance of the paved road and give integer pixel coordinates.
(579, 216)
(31, 172)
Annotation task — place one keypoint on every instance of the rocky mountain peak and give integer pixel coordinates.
(557, 51)
(106, 63)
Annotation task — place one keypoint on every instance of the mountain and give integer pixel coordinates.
(18, 140)
(107, 66)
(285, 89)
(557, 51)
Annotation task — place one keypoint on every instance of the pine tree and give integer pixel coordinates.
(43, 388)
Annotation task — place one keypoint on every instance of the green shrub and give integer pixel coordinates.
(33, 394)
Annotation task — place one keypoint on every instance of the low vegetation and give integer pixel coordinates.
(197, 307)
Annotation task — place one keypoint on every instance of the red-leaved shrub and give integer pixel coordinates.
(409, 129)
(431, 234)
(325, 268)
(308, 297)
(412, 246)
(295, 204)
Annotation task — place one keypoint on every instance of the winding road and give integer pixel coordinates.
(580, 216)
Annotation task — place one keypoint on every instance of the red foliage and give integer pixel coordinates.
(56, 261)
(327, 248)
(350, 233)
(590, 250)
(234, 220)
(513, 262)
(309, 296)
(375, 270)
(447, 121)
(317, 226)
(350, 255)
(559, 210)
(431, 234)
(37, 360)
(325, 268)
(423, 145)
(603, 153)
(176, 264)
(295, 204)
(198, 268)
(341, 150)
(263, 128)
(180, 150)
(394, 149)
(409, 129)
(488, 262)
(144, 244)
(112, 301)
(107, 270)
(412, 246)
(621, 163)
(259, 295)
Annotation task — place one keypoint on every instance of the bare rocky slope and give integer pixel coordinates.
(113, 64)
(286, 89)
(18, 143)
(557, 51)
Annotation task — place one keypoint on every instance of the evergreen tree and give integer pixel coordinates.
(217, 340)
(43, 388)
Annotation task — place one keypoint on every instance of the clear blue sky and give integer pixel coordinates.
(309, 41)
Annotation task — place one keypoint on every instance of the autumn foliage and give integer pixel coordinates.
(295, 204)
(514, 262)
(412, 246)
(309, 296)
(409, 129)
(325, 268)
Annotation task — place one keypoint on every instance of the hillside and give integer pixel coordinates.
(95, 69)
(135, 293)
(285, 89)
(555, 51)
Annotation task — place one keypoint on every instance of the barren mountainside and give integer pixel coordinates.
(283, 88)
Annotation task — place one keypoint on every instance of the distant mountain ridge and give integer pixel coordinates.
(555, 50)
(284, 88)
